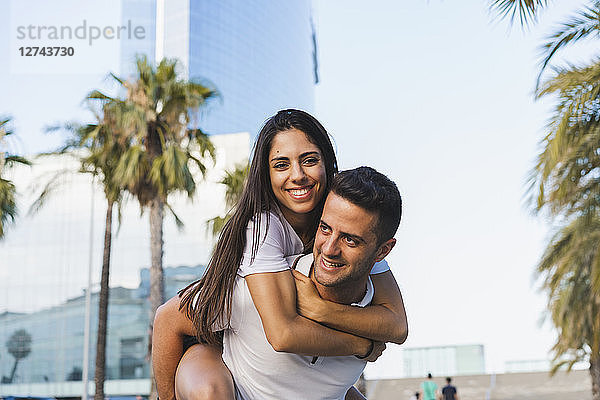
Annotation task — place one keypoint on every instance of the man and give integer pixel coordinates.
(429, 389)
(355, 231)
(449, 391)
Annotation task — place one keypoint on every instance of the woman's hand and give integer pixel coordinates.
(308, 302)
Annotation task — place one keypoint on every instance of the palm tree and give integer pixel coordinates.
(157, 119)
(8, 206)
(98, 151)
(565, 182)
(19, 346)
(104, 154)
(234, 181)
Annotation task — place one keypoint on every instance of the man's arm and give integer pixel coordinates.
(384, 320)
(170, 326)
(274, 296)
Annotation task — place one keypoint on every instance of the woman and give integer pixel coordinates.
(277, 216)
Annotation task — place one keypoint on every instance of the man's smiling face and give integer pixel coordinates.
(346, 245)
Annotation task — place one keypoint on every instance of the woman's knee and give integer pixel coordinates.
(201, 375)
(212, 389)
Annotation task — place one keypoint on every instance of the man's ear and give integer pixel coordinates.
(384, 249)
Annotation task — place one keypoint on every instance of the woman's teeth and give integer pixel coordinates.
(299, 192)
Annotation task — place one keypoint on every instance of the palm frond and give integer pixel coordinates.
(525, 11)
(202, 142)
(116, 78)
(234, 181)
(51, 186)
(178, 222)
(5, 129)
(13, 159)
(584, 24)
(8, 193)
(215, 225)
(170, 172)
(98, 95)
(565, 175)
(132, 168)
(8, 206)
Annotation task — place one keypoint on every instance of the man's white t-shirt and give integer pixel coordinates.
(259, 372)
(277, 241)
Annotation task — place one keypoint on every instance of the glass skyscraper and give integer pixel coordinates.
(259, 54)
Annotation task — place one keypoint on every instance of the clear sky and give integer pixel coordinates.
(437, 95)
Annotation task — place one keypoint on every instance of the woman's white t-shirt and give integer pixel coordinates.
(279, 242)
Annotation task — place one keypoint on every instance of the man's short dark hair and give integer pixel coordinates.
(429, 376)
(375, 192)
(448, 379)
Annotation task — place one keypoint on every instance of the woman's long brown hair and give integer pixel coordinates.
(207, 302)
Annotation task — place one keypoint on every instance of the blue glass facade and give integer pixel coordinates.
(139, 13)
(259, 54)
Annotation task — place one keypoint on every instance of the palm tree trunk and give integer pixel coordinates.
(595, 373)
(156, 250)
(99, 374)
(156, 269)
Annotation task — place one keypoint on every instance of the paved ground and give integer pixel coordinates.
(575, 385)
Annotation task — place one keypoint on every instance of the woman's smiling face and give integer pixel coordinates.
(297, 173)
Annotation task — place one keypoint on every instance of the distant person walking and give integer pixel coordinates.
(449, 391)
(429, 389)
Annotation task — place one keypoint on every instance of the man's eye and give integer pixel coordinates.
(349, 241)
(324, 228)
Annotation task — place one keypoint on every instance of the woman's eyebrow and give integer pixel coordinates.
(310, 153)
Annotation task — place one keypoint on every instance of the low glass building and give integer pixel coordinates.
(444, 360)
(55, 351)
